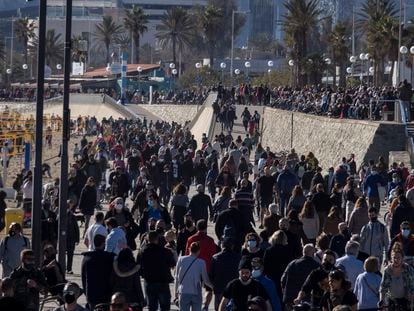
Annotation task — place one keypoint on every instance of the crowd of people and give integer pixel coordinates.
(25, 94)
(263, 230)
(360, 102)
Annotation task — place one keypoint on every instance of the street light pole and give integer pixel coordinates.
(64, 161)
(37, 176)
(232, 41)
(232, 47)
(399, 44)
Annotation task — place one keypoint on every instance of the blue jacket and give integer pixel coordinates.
(270, 288)
(371, 185)
(286, 181)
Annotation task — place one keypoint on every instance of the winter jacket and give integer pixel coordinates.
(371, 185)
(374, 239)
(96, 275)
(295, 275)
(126, 279)
(403, 212)
(156, 263)
(200, 207)
(224, 268)
(358, 218)
(286, 181)
(87, 201)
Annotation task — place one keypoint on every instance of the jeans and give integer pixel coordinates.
(189, 301)
(158, 293)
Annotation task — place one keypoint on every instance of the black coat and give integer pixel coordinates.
(87, 201)
(295, 275)
(126, 279)
(96, 276)
(156, 263)
(224, 268)
(200, 206)
(232, 218)
(275, 261)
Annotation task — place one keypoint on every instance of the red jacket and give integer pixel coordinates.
(207, 247)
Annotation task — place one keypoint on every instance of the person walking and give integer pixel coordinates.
(126, 278)
(95, 229)
(87, 201)
(96, 284)
(156, 263)
(189, 272)
(11, 247)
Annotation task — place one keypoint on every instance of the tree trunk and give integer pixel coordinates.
(107, 53)
(137, 44)
(211, 55)
(174, 47)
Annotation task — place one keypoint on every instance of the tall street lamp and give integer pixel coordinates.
(328, 62)
(25, 67)
(232, 40)
(222, 66)
(412, 63)
(403, 51)
(291, 64)
(174, 73)
(198, 67)
(362, 58)
(270, 64)
(247, 65)
(139, 69)
(371, 72)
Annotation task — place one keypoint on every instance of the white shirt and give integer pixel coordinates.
(92, 231)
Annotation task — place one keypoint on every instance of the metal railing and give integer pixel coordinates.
(404, 118)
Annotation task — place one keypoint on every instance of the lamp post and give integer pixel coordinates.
(198, 67)
(58, 67)
(174, 73)
(232, 41)
(247, 65)
(270, 64)
(222, 66)
(349, 71)
(9, 72)
(371, 72)
(362, 58)
(25, 67)
(403, 51)
(108, 72)
(291, 64)
(139, 69)
(328, 62)
(412, 63)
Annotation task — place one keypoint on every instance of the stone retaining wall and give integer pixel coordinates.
(330, 139)
(177, 113)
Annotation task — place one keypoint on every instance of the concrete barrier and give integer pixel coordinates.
(330, 139)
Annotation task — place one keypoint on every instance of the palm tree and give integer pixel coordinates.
(175, 29)
(24, 31)
(107, 32)
(211, 23)
(378, 24)
(53, 48)
(124, 42)
(339, 44)
(136, 22)
(300, 18)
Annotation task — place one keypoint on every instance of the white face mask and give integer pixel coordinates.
(251, 244)
(256, 273)
(405, 233)
(119, 207)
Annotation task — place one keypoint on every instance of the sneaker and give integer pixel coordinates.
(69, 272)
(261, 227)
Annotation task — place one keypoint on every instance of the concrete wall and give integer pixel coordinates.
(169, 113)
(330, 139)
